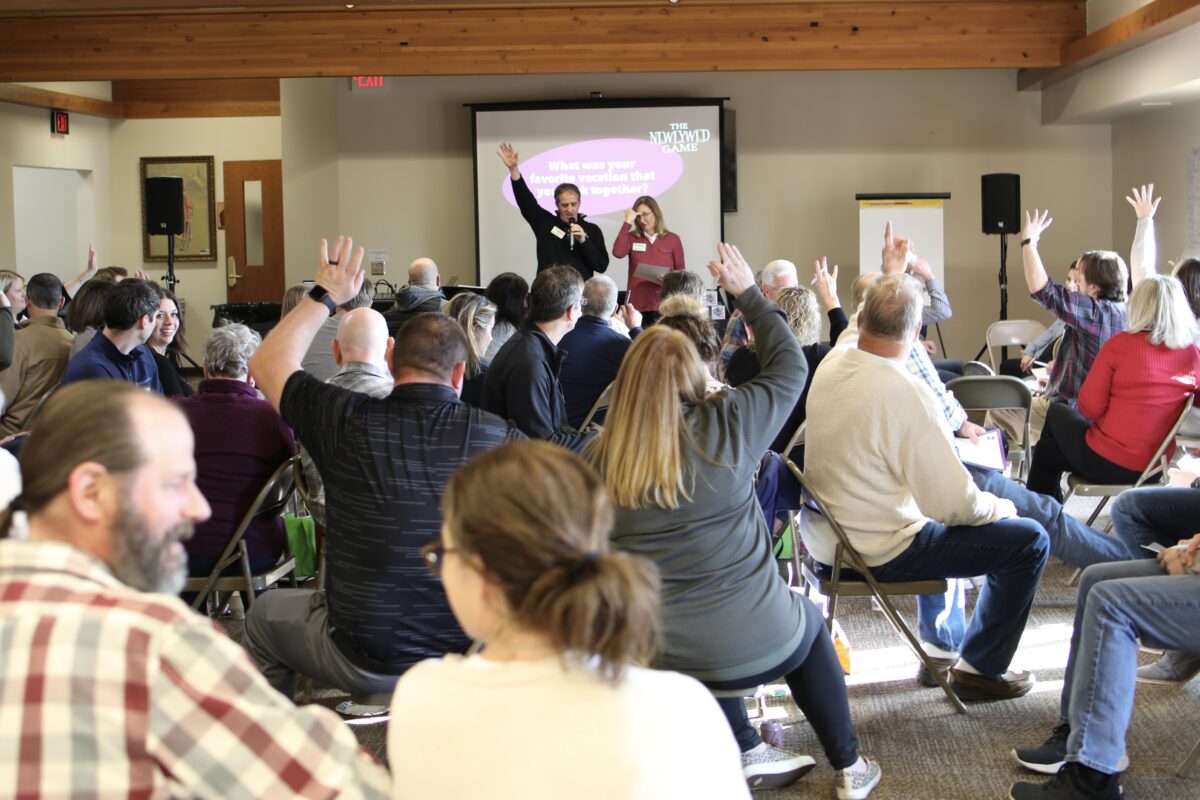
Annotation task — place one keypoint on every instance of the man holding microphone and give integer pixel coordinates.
(562, 238)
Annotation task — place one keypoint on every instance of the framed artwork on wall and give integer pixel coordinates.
(198, 242)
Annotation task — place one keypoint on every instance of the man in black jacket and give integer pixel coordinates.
(563, 238)
(522, 383)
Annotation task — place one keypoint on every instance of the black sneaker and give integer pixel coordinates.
(942, 665)
(1072, 782)
(1049, 757)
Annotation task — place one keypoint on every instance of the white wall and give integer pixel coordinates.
(26, 141)
(1155, 147)
(202, 283)
(1104, 12)
(807, 143)
(55, 219)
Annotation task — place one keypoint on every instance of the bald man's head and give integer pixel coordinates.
(362, 335)
(423, 272)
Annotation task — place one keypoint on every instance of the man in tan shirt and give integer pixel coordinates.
(40, 352)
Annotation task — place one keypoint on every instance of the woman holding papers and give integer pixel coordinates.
(653, 252)
(1132, 395)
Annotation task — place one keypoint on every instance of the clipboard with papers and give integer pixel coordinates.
(987, 452)
(650, 272)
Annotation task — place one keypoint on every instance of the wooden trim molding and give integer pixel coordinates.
(543, 39)
(43, 98)
(154, 99)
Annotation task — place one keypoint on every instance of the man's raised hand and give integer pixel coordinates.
(510, 158)
(340, 273)
(895, 252)
(1035, 224)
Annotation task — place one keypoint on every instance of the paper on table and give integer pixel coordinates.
(985, 453)
(650, 272)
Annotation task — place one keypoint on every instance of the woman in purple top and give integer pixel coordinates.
(240, 441)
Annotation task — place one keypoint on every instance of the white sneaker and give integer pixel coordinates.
(767, 767)
(856, 782)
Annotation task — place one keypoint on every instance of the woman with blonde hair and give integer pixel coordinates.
(1133, 394)
(679, 465)
(644, 238)
(477, 316)
(560, 689)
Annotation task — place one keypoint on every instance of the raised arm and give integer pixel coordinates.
(1143, 255)
(509, 156)
(93, 265)
(938, 309)
(279, 355)
(1035, 272)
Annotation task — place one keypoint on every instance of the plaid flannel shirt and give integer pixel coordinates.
(110, 692)
(1090, 323)
(737, 336)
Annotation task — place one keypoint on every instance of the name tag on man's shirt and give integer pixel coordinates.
(557, 231)
(640, 247)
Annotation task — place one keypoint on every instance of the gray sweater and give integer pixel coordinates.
(727, 614)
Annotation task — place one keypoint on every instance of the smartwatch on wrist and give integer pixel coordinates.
(321, 295)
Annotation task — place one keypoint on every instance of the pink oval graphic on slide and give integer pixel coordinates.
(611, 173)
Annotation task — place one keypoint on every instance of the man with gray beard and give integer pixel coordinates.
(110, 686)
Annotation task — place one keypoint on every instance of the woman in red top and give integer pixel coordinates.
(1131, 397)
(645, 239)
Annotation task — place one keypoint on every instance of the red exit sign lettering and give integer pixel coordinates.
(60, 122)
(358, 82)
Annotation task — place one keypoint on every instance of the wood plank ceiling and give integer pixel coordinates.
(64, 40)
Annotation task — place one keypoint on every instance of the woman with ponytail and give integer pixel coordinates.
(558, 703)
(477, 316)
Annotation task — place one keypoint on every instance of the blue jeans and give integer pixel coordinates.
(1012, 554)
(1070, 540)
(1117, 605)
(1157, 514)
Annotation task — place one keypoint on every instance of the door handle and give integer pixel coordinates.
(231, 276)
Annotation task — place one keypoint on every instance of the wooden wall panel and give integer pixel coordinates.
(568, 39)
(243, 97)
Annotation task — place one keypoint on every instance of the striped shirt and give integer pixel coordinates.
(109, 692)
(1090, 323)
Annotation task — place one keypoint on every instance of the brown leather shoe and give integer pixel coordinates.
(969, 686)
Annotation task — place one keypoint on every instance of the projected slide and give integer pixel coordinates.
(614, 154)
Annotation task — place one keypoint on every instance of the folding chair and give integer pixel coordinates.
(1156, 469)
(1011, 333)
(270, 502)
(796, 440)
(987, 392)
(599, 406)
(834, 583)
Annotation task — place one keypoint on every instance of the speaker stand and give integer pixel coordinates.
(171, 279)
(1003, 278)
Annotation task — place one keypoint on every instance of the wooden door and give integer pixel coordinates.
(254, 231)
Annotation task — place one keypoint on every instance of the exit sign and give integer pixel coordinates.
(60, 122)
(359, 83)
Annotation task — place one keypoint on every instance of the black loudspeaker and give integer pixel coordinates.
(1001, 203)
(164, 206)
(729, 192)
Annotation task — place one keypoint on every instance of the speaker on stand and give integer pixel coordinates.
(164, 216)
(1001, 201)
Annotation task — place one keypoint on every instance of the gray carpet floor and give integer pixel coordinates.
(926, 749)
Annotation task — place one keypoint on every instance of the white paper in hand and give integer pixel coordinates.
(986, 452)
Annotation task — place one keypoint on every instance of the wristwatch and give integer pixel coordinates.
(321, 295)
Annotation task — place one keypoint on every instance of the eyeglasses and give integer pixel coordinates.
(434, 554)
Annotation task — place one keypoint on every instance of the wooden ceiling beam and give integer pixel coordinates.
(1138, 28)
(42, 98)
(689, 37)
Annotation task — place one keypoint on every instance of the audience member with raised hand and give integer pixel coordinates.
(510, 293)
(384, 462)
(166, 344)
(1143, 255)
(477, 316)
(1120, 608)
(567, 628)
(776, 276)
(1042, 348)
(240, 442)
(824, 284)
(594, 348)
(1132, 396)
(1092, 315)
(40, 353)
(679, 465)
(152, 698)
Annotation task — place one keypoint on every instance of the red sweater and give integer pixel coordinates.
(1135, 391)
(665, 251)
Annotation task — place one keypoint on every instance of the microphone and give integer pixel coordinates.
(570, 235)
